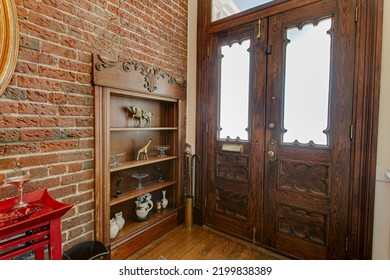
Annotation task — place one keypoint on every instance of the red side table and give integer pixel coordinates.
(33, 227)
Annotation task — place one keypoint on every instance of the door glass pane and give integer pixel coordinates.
(224, 8)
(306, 92)
(233, 111)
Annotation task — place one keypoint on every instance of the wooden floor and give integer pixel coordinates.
(200, 243)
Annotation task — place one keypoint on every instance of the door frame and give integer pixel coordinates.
(369, 24)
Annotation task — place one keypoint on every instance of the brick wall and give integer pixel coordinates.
(46, 113)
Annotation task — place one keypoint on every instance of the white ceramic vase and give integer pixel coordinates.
(113, 228)
(120, 221)
(164, 200)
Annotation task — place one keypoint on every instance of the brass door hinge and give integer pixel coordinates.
(351, 132)
(356, 13)
(259, 29)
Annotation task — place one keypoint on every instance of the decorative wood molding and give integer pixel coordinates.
(137, 76)
(9, 42)
(366, 115)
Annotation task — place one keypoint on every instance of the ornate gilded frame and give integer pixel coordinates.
(9, 41)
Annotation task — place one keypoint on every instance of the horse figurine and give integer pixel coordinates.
(139, 115)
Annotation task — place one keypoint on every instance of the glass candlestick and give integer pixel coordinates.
(139, 176)
(115, 157)
(19, 182)
(162, 149)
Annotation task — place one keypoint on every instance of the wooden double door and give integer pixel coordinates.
(280, 99)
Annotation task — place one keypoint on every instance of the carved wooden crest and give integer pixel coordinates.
(137, 76)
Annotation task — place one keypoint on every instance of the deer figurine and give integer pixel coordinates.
(144, 150)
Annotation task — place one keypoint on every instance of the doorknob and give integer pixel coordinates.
(271, 154)
(272, 150)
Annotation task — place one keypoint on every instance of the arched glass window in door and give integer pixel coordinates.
(234, 91)
(225, 8)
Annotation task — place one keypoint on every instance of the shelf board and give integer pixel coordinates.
(149, 187)
(114, 129)
(133, 228)
(137, 163)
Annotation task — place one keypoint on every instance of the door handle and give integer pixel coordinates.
(271, 154)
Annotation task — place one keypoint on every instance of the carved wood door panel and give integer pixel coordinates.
(232, 179)
(308, 130)
(283, 183)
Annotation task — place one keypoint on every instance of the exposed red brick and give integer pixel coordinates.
(61, 191)
(75, 232)
(8, 107)
(15, 93)
(37, 96)
(47, 10)
(86, 143)
(34, 160)
(36, 56)
(86, 207)
(38, 134)
(42, 183)
(76, 88)
(75, 167)
(76, 220)
(59, 145)
(77, 133)
(75, 99)
(17, 149)
(75, 156)
(37, 109)
(79, 198)
(37, 31)
(37, 83)
(75, 65)
(57, 169)
(19, 121)
(58, 50)
(58, 98)
(57, 122)
(9, 135)
(46, 22)
(26, 68)
(7, 163)
(47, 72)
(47, 113)
(76, 111)
(38, 172)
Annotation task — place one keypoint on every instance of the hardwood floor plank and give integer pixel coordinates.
(201, 243)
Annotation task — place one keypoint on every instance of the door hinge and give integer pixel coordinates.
(351, 132)
(259, 29)
(346, 244)
(208, 51)
(254, 236)
(356, 13)
(205, 202)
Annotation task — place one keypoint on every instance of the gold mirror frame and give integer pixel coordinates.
(9, 41)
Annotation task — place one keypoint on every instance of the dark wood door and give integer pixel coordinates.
(307, 165)
(285, 186)
(234, 124)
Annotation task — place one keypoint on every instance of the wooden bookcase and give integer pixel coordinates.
(117, 86)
